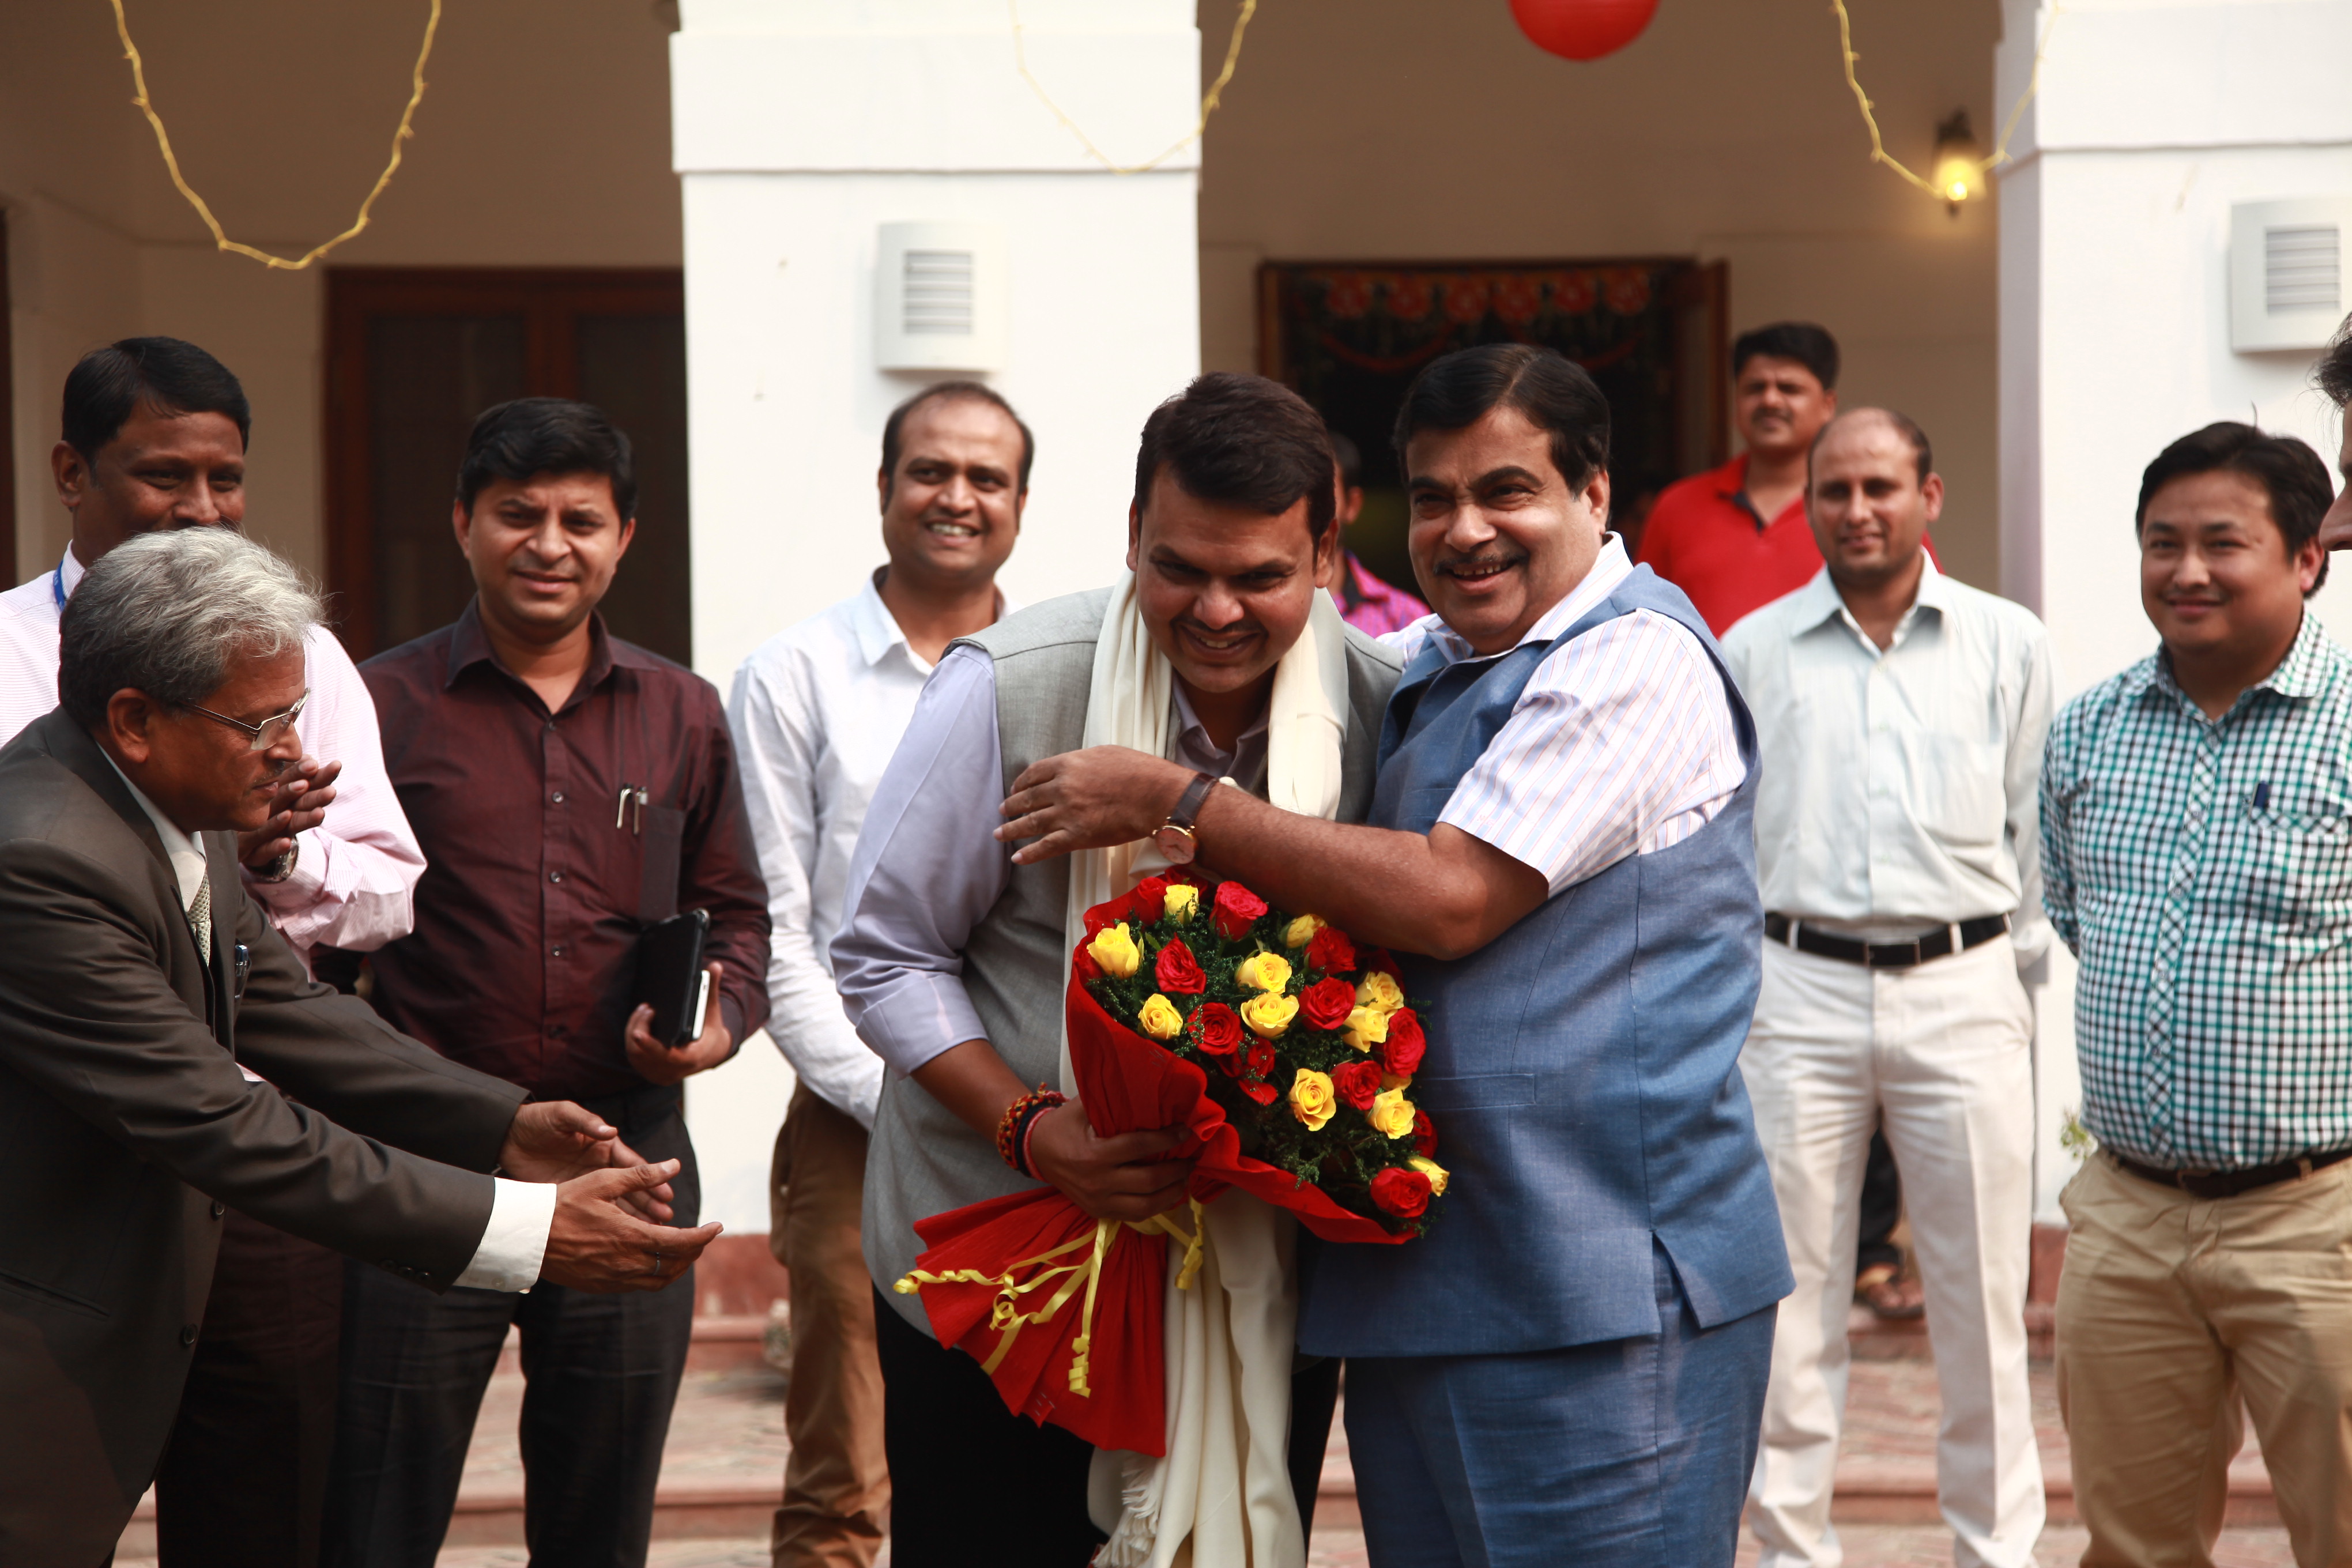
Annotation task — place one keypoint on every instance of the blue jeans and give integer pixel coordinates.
(1631, 1453)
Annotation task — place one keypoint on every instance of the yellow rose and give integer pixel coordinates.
(1269, 1012)
(1434, 1171)
(1379, 990)
(1264, 972)
(1302, 931)
(1312, 1100)
(1367, 1027)
(1182, 900)
(1115, 950)
(1396, 1081)
(1160, 1018)
(1391, 1113)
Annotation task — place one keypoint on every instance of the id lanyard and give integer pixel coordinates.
(57, 586)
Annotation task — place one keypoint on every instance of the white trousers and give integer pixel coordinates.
(1941, 1055)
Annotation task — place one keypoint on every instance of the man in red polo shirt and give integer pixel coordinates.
(1735, 538)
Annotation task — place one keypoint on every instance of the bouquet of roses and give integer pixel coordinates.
(1286, 1055)
(1307, 1048)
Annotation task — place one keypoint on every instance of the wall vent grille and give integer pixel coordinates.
(937, 298)
(2302, 267)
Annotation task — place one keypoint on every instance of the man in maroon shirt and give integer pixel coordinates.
(1735, 538)
(570, 791)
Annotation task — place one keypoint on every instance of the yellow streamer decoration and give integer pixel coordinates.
(1878, 153)
(1209, 100)
(1007, 1318)
(220, 238)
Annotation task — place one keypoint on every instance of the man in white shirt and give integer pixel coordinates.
(817, 712)
(1901, 716)
(153, 437)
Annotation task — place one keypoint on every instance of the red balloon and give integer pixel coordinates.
(1582, 30)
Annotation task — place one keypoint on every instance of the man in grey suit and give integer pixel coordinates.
(136, 973)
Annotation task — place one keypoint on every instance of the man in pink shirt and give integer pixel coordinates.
(1365, 602)
(153, 436)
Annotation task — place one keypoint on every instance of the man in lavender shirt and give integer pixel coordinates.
(952, 961)
(153, 437)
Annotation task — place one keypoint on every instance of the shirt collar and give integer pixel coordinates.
(187, 855)
(1609, 569)
(877, 629)
(1819, 602)
(469, 645)
(71, 571)
(2305, 671)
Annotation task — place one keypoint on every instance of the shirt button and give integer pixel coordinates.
(555, 951)
(555, 875)
(187, 1335)
(557, 797)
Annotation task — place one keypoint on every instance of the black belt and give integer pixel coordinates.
(1884, 954)
(2230, 1184)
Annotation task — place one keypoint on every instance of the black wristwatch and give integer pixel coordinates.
(1177, 841)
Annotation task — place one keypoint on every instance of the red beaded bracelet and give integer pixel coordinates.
(1013, 1130)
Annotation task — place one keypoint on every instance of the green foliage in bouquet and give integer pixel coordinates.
(1309, 1046)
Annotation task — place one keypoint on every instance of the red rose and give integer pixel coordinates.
(1402, 1051)
(1260, 1058)
(1403, 1193)
(1356, 1082)
(1177, 970)
(1261, 1091)
(1085, 967)
(1236, 909)
(1215, 1029)
(1151, 900)
(1327, 1004)
(1424, 1134)
(1330, 951)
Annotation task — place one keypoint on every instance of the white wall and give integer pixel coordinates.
(801, 127)
(2153, 118)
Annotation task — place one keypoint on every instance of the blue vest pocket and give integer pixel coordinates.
(1481, 1092)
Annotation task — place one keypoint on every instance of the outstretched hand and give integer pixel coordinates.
(598, 1243)
(1124, 1176)
(1089, 800)
(557, 1140)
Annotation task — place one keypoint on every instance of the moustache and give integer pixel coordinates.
(1483, 560)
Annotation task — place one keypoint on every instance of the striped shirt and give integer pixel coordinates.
(1621, 744)
(2201, 871)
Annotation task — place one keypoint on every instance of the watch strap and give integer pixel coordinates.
(1188, 804)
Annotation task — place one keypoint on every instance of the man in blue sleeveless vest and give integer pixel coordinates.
(1573, 1361)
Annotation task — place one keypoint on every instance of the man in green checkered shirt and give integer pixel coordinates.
(2197, 855)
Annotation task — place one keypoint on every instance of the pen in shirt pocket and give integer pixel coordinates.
(632, 795)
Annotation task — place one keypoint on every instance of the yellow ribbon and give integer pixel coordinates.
(1006, 1316)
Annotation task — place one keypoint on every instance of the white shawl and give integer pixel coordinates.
(1221, 1496)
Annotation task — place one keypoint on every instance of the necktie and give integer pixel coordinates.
(200, 917)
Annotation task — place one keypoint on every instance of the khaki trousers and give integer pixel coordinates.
(836, 1501)
(2170, 1309)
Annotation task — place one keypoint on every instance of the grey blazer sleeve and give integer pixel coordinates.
(95, 1025)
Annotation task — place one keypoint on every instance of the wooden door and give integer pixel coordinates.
(415, 354)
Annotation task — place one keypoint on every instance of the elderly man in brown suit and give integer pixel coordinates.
(135, 975)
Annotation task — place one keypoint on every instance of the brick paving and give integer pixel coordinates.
(729, 1427)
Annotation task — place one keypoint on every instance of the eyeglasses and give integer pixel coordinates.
(266, 733)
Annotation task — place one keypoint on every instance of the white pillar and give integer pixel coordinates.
(2153, 118)
(801, 127)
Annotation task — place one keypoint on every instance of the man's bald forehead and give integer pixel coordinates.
(1902, 424)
